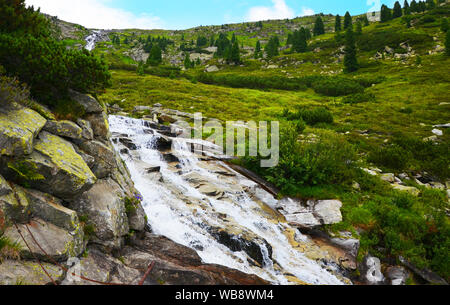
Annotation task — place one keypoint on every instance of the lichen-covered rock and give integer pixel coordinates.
(50, 209)
(18, 128)
(105, 209)
(137, 218)
(5, 189)
(15, 205)
(14, 272)
(87, 133)
(100, 125)
(66, 129)
(64, 172)
(58, 243)
(89, 104)
(105, 159)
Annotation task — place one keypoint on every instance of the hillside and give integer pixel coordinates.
(94, 156)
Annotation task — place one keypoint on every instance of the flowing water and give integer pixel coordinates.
(92, 39)
(186, 199)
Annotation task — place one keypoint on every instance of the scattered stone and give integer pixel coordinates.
(438, 132)
(211, 69)
(142, 108)
(388, 178)
(409, 189)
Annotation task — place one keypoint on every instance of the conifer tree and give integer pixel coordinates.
(406, 8)
(447, 43)
(187, 61)
(319, 27)
(350, 60)
(338, 24)
(444, 25)
(155, 57)
(258, 50)
(358, 30)
(299, 44)
(397, 12)
(234, 54)
(385, 14)
(272, 47)
(347, 21)
(414, 7)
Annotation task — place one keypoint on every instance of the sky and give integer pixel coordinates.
(184, 14)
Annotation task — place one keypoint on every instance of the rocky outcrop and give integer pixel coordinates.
(65, 129)
(13, 272)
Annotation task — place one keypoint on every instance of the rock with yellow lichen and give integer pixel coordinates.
(64, 128)
(63, 172)
(18, 129)
(14, 272)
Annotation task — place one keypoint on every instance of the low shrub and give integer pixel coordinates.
(392, 157)
(358, 98)
(337, 86)
(309, 115)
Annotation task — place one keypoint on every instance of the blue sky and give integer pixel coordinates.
(182, 14)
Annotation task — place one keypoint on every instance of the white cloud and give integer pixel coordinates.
(279, 10)
(307, 12)
(96, 14)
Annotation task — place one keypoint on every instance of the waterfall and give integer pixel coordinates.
(194, 201)
(92, 39)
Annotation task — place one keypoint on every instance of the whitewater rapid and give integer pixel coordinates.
(178, 210)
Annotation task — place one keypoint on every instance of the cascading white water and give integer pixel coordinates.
(91, 40)
(180, 211)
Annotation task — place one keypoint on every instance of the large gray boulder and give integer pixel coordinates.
(105, 158)
(18, 129)
(64, 128)
(59, 170)
(50, 209)
(13, 272)
(89, 104)
(104, 207)
(100, 125)
(329, 211)
(58, 243)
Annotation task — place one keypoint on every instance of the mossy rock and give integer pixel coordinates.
(18, 129)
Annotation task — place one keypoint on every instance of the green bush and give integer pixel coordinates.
(310, 116)
(392, 157)
(337, 86)
(13, 92)
(329, 160)
(358, 98)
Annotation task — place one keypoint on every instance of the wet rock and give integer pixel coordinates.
(18, 129)
(86, 129)
(89, 104)
(58, 243)
(128, 144)
(397, 275)
(65, 129)
(155, 169)
(237, 243)
(178, 265)
(170, 158)
(62, 172)
(104, 207)
(305, 220)
(13, 272)
(162, 144)
(370, 270)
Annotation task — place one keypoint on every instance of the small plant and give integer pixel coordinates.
(131, 203)
(9, 249)
(25, 171)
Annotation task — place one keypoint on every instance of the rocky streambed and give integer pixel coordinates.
(202, 203)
